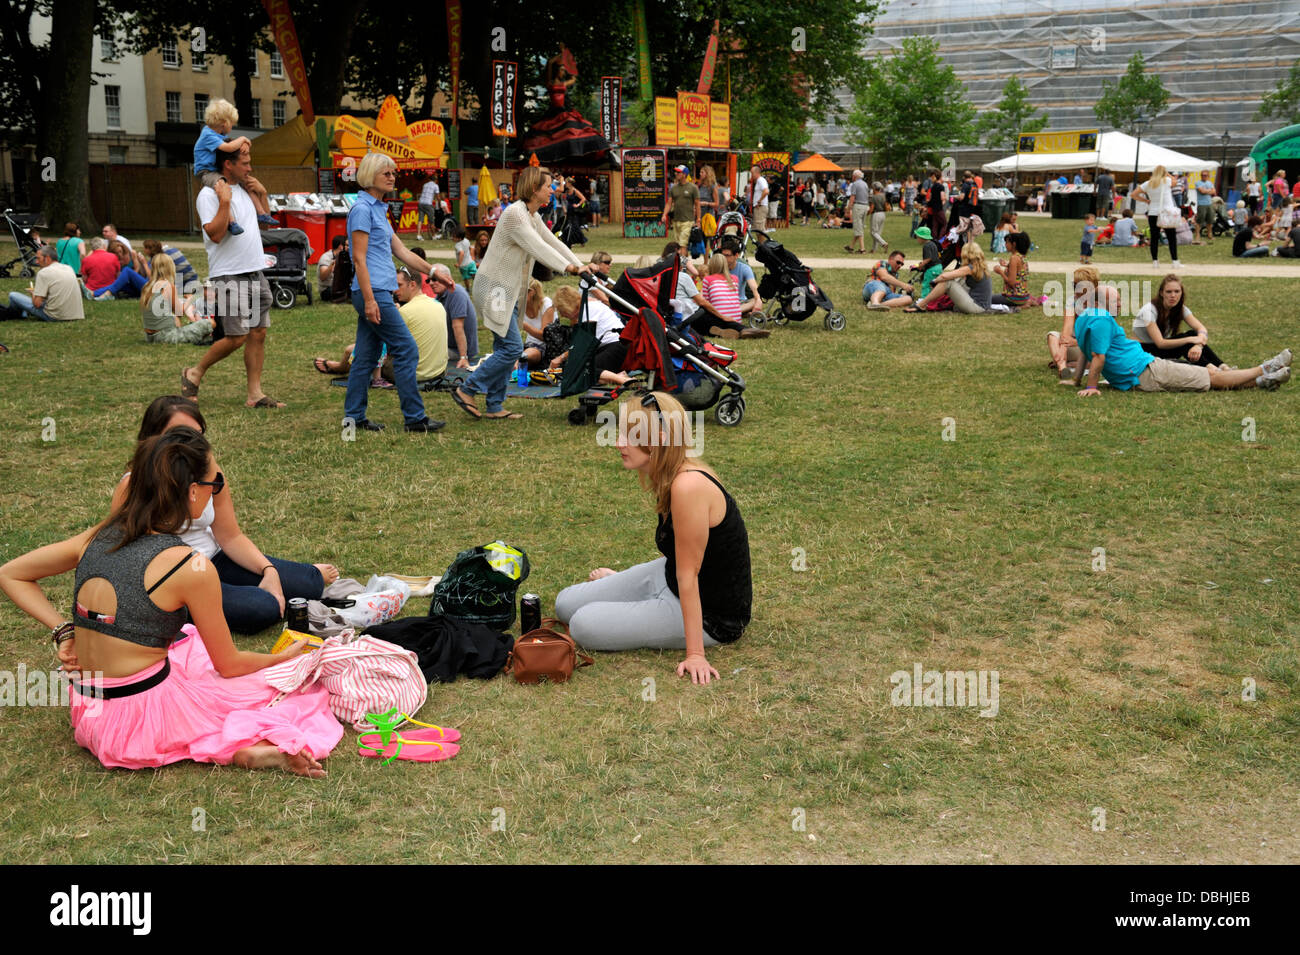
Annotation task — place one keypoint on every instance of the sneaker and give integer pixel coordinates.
(235, 228)
(87, 294)
(1272, 380)
(365, 424)
(1176, 264)
(106, 297)
(1279, 361)
(877, 306)
(381, 383)
(425, 426)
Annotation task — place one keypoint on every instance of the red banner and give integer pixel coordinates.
(453, 49)
(710, 59)
(286, 41)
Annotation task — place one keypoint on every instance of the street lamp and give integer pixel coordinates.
(1139, 121)
(1223, 160)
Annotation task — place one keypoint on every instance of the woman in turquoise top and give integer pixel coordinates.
(71, 249)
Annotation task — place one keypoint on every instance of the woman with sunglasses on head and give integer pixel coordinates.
(372, 245)
(254, 587)
(699, 593)
(148, 692)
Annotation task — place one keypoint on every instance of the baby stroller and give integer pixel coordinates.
(789, 289)
(26, 245)
(733, 224)
(444, 223)
(692, 370)
(287, 252)
(1220, 224)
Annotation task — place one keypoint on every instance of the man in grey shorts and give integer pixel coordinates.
(235, 262)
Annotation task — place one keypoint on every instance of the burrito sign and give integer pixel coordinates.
(419, 145)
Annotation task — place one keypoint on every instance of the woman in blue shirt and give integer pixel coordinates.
(372, 245)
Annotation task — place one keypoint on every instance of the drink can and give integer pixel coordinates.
(521, 377)
(530, 613)
(296, 617)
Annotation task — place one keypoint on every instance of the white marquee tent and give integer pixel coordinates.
(1115, 151)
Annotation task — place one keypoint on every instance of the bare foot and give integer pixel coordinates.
(329, 573)
(264, 755)
(600, 572)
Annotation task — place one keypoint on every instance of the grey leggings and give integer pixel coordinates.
(630, 610)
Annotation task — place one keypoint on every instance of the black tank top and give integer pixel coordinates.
(726, 590)
(138, 619)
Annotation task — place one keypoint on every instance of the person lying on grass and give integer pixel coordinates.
(149, 693)
(1107, 350)
(885, 290)
(699, 593)
(610, 347)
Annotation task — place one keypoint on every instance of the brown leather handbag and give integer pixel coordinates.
(545, 654)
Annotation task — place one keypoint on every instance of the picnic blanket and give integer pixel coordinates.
(455, 376)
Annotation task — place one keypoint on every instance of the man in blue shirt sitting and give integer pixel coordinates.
(746, 284)
(1107, 350)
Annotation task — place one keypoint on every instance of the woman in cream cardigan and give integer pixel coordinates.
(520, 239)
(1157, 193)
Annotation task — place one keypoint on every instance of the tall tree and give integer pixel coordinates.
(1133, 93)
(912, 108)
(64, 104)
(999, 127)
(1284, 102)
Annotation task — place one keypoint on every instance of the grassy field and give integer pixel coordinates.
(1121, 690)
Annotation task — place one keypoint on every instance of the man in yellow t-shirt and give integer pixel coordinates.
(427, 321)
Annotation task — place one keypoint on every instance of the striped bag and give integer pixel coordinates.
(362, 674)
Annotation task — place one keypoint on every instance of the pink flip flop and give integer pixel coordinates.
(415, 747)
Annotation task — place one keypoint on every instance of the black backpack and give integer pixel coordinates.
(341, 277)
(480, 585)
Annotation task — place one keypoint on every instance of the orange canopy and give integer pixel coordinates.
(817, 163)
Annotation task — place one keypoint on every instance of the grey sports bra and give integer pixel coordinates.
(138, 619)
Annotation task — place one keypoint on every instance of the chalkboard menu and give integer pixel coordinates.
(645, 189)
(453, 184)
(395, 212)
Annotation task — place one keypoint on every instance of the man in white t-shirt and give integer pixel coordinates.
(56, 293)
(235, 263)
(758, 192)
(111, 234)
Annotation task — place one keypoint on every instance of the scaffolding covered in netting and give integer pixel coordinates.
(1217, 58)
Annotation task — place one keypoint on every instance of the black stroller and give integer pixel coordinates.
(693, 370)
(26, 245)
(1220, 224)
(291, 249)
(789, 289)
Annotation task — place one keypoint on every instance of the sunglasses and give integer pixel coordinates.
(216, 485)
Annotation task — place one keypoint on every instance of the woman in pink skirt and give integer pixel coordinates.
(150, 690)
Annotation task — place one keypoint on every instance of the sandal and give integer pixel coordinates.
(266, 401)
(913, 310)
(441, 741)
(466, 405)
(323, 366)
(504, 416)
(188, 388)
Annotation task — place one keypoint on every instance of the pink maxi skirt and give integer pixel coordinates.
(197, 714)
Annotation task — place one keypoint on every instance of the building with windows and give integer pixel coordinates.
(1217, 58)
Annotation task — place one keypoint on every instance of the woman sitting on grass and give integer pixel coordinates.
(129, 281)
(1157, 325)
(254, 587)
(972, 295)
(699, 593)
(149, 693)
(162, 306)
(539, 311)
(1015, 273)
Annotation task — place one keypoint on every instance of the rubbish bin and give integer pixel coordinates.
(313, 223)
(994, 204)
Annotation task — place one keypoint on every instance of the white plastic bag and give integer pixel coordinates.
(381, 601)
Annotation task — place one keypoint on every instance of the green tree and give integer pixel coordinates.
(1284, 102)
(912, 108)
(1135, 92)
(1000, 127)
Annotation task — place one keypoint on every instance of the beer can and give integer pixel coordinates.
(296, 617)
(530, 613)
